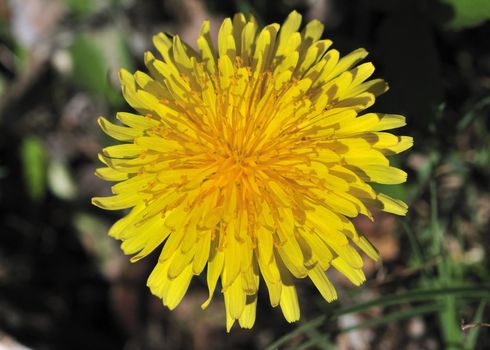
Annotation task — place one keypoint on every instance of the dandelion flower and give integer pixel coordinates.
(250, 159)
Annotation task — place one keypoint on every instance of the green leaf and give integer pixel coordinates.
(468, 13)
(33, 157)
(80, 8)
(84, 8)
(98, 56)
(89, 65)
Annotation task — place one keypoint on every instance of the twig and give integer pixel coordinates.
(465, 327)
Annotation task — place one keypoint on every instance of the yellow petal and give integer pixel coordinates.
(247, 319)
(346, 62)
(272, 278)
(158, 281)
(323, 284)
(319, 248)
(229, 320)
(163, 43)
(158, 144)
(233, 256)
(248, 38)
(404, 143)
(110, 174)
(290, 253)
(384, 174)
(392, 205)
(202, 253)
(250, 280)
(129, 150)
(235, 299)
(207, 51)
(367, 248)
(215, 267)
(180, 52)
(154, 235)
(226, 71)
(225, 46)
(350, 255)
(134, 184)
(289, 303)
(120, 133)
(178, 287)
(264, 245)
(290, 26)
(356, 276)
(313, 31)
(120, 227)
(264, 47)
(136, 121)
(239, 22)
(117, 202)
(389, 121)
(180, 261)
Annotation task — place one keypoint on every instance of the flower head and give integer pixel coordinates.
(249, 159)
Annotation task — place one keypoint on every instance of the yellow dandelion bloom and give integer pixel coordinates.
(249, 159)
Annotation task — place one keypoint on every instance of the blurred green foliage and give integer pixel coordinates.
(85, 8)
(468, 13)
(34, 159)
(80, 7)
(95, 58)
(89, 65)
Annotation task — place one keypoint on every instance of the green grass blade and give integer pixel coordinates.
(475, 291)
(395, 316)
(470, 342)
(301, 329)
(321, 341)
(317, 343)
(470, 116)
(448, 318)
(478, 291)
(414, 244)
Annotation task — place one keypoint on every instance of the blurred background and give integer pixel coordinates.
(64, 284)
